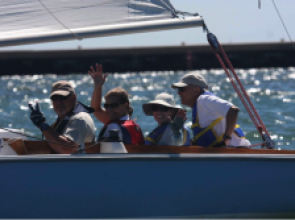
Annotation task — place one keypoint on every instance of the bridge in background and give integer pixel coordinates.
(120, 60)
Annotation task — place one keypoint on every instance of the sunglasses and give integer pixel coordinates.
(112, 105)
(59, 97)
(181, 89)
(159, 108)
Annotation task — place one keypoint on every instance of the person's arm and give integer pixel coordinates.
(75, 133)
(221, 108)
(39, 121)
(98, 80)
(66, 146)
(177, 126)
(231, 121)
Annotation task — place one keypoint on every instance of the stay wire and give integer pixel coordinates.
(283, 23)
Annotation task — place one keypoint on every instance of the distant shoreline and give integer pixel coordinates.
(135, 59)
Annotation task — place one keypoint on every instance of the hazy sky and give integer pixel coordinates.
(232, 21)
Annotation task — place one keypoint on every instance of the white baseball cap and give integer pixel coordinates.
(191, 79)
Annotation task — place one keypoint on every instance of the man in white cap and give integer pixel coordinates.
(213, 119)
(170, 118)
(74, 125)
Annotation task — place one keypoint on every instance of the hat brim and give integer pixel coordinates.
(148, 107)
(62, 93)
(178, 85)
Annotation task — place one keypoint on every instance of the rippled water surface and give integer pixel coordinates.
(271, 90)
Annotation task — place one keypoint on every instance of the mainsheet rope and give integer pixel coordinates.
(220, 53)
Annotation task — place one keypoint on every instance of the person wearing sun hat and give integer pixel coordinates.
(170, 119)
(213, 119)
(73, 126)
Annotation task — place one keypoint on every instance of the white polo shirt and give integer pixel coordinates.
(209, 109)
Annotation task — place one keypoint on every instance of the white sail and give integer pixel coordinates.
(37, 21)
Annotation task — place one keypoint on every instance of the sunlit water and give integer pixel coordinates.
(271, 90)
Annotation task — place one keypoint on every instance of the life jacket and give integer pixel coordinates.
(131, 131)
(59, 125)
(207, 137)
(154, 137)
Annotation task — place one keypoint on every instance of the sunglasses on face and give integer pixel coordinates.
(159, 108)
(181, 89)
(112, 105)
(59, 97)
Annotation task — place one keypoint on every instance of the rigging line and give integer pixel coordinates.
(128, 10)
(173, 11)
(243, 90)
(79, 38)
(255, 145)
(92, 145)
(283, 23)
(168, 6)
(21, 134)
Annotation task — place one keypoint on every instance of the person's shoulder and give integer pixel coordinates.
(210, 98)
(113, 125)
(212, 101)
(83, 116)
(206, 98)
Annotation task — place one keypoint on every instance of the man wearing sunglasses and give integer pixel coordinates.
(116, 112)
(73, 126)
(213, 119)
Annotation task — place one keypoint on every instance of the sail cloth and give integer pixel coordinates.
(37, 21)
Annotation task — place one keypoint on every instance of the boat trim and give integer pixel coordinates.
(162, 157)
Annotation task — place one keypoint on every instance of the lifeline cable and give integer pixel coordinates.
(53, 142)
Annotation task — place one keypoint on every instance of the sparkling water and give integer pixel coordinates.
(272, 91)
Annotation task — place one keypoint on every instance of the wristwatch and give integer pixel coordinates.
(44, 126)
(226, 137)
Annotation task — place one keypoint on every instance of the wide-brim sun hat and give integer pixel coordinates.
(163, 99)
(193, 79)
(63, 88)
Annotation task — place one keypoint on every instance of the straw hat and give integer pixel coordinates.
(163, 99)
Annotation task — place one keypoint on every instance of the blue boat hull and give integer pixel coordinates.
(140, 186)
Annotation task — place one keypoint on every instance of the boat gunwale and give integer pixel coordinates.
(27, 150)
(142, 157)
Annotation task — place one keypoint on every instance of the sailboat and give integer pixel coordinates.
(148, 181)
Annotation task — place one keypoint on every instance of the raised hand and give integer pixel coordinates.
(178, 121)
(97, 75)
(36, 115)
